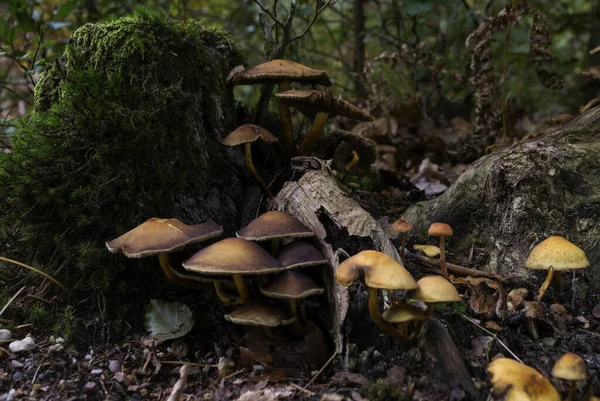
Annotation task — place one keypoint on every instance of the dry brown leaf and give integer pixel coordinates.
(515, 298)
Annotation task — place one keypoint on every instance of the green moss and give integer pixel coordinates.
(124, 128)
(382, 391)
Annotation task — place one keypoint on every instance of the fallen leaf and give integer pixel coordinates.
(515, 298)
(168, 320)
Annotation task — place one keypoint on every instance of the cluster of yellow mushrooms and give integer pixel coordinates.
(317, 105)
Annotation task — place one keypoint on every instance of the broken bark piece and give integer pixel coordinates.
(452, 268)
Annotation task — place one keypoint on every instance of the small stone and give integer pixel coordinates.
(144, 392)
(121, 378)
(56, 348)
(549, 341)
(258, 370)
(5, 334)
(16, 364)
(52, 339)
(114, 365)
(207, 396)
(225, 367)
(89, 387)
(60, 340)
(96, 371)
(26, 344)
(596, 311)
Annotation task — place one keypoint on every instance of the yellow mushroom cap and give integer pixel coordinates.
(300, 254)
(280, 70)
(570, 367)
(311, 102)
(291, 285)
(260, 313)
(429, 250)
(401, 226)
(440, 230)
(156, 236)
(401, 313)
(435, 289)
(557, 252)
(232, 256)
(273, 225)
(520, 382)
(380, 271)
(248, 133)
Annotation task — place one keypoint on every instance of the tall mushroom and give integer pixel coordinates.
(246, 134)
(570, 367)
(402, 226)
(555, 253)
(236, 257)
(159, 237)
(273, 226)
(281, 72)
(519, 382)
(319, 106)
(380, 271)
(441, 230)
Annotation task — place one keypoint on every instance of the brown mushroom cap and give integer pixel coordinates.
(401, 226)
(280, 70)
(557, 252)
(401, 313)
(310, 102)
(570, 367)
(273, 225)
(232, 256)
(291, 285)
(248, 133)
(379, 269)
(440, 229)
(260, 313)
(435, 289)
(429, 250)
(300, 254)
(520, 382)
(156, 236)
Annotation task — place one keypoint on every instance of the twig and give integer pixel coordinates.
(188, 363)
(495, 336)
(456, 269)
(49, 277)
(320, 371)
(180, 385)
(15, 93)
(308, 392)
(317, 12)
(269, 13)
(10, 301)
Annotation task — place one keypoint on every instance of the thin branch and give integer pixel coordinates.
(16, 94)
(319, 11)
(269, 13)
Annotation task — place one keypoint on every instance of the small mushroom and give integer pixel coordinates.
(273, 226)
(263, 314)
(159, 237)
(431, 251)
(555, 253)
(403, 314)
(431, 290)
(441, 230)
(570, 367)
(402, 226)
(320, 106)
(380, 271)
(519, 382)
(246, 134)
(281, 72)
(299, 254)
(236, 257)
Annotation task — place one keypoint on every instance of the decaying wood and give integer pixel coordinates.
(337, 221)
(434, 266)
(441, 351)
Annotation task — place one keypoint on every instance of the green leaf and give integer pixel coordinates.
(48, 43)
(168, 320)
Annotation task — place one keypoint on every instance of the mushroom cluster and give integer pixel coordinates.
(242, 258)
(380, 272)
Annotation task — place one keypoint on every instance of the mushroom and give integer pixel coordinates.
(380, 271)
(300, 254)
(236, 257)
(555, 253)
(159, 237)
(519, 382)
(273, 226)
(320, 106)
(431, 290)
(570, 367)
(281, 72)
(246, 134)
(441, 230)
(430, 251)
(402, 226)
(263, 314)
(403, 314)
(292, 286)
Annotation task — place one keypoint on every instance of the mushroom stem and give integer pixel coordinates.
(163, 260)
(421, 323)
(572, 389)
(286, 120)
(402, 243)
(443, 257)
(294, 309)
(222, 294)
(313, 135)
(271, 335)
(238, 279)
(376, 315)
(274, 246)
(546, 283)
(352, 162)
(250, 165)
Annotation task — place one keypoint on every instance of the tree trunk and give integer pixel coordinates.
(358, 64)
